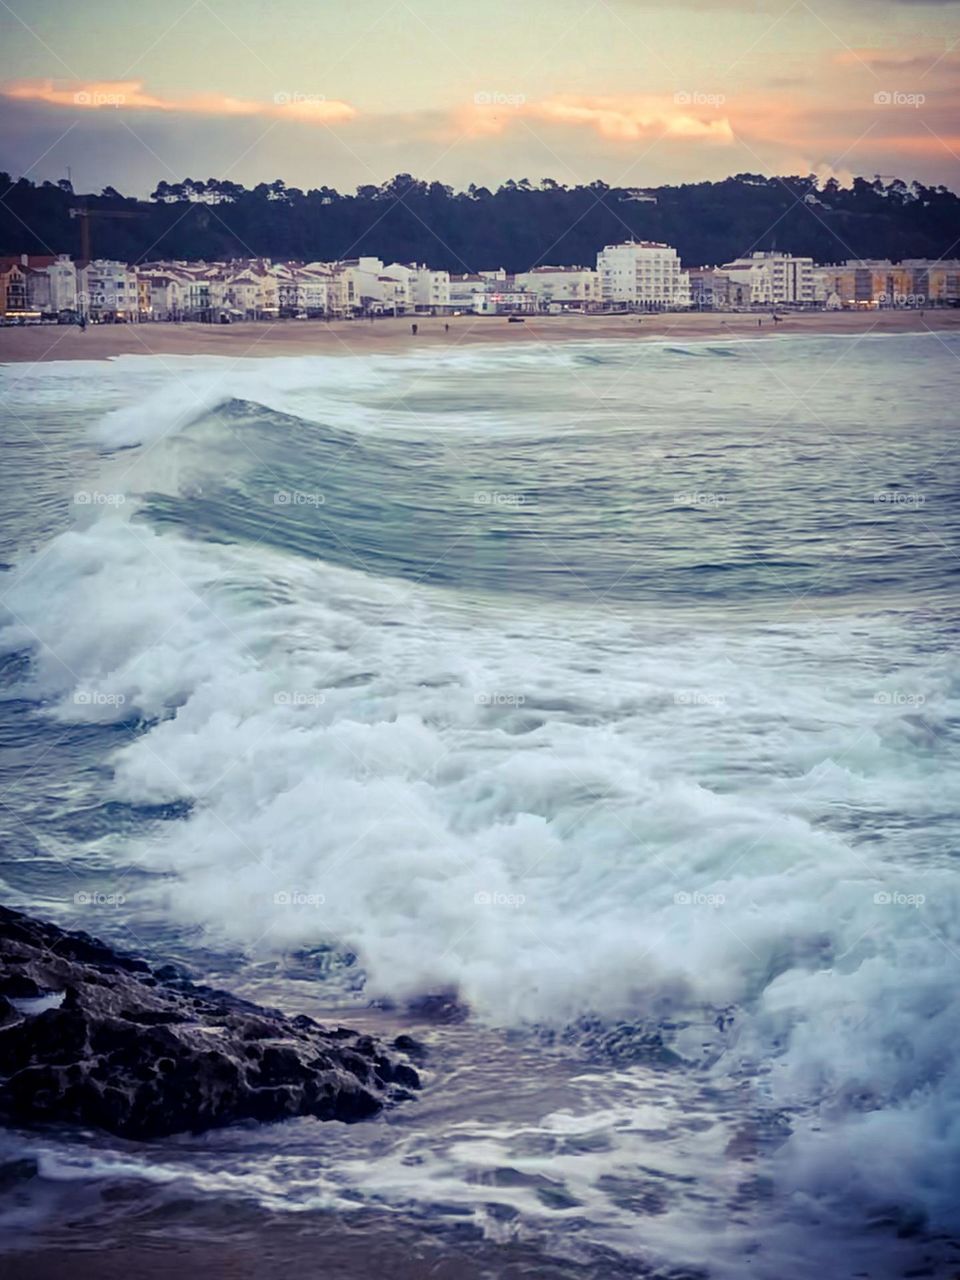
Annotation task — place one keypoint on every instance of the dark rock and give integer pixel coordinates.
(440, 1007)
(144, 1054)
(17, 986)
(414, 1050)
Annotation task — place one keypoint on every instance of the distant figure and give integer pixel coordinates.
(83, 323)
(759, 324)
(413, 330)
(446, 327)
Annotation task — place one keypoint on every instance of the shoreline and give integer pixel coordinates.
(385, 335)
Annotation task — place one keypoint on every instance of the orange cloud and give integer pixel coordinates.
(678, 116)
(681, 116)
(129, 95)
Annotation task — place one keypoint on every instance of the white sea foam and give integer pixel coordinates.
(550, 813)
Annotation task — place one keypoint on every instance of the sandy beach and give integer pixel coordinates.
(358, 337)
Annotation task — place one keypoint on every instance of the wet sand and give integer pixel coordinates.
(363, 337)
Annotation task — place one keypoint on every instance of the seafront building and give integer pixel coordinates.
(13, 288)
(642, 274)
(878, 283)
(774, 279)
(714, 290)
(633, 276)
(108, 291)
(562, 288)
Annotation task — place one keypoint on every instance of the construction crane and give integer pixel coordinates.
(86, 214)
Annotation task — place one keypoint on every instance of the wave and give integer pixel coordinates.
(490, 818)
(560, 813)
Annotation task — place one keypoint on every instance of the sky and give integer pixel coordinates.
(343, 93)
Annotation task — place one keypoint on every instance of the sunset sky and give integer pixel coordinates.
(460, 91)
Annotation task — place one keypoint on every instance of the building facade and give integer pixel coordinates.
(879, 283)
(775, 279)
(108, 291)
(714, 290)
(13, 288)
(642, 275)
(562, 288)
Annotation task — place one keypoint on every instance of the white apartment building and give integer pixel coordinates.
(51, 282)
(361, 290)
(313, 291)
(426, 290)
(396, 292)
(431, 290)
(166, 293)
(107, 290)
(642, 274)
(465, 291)
(562, 288)
(775, 279)
(254, 293)
(315, 288)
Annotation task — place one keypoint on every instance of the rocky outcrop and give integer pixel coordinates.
(92, 1037)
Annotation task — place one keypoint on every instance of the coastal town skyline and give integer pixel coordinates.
(638, 277)
(621, 90)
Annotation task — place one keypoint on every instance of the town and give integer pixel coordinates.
(642, 276)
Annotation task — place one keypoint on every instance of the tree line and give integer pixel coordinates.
(519, 225)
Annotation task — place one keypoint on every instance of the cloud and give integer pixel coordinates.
(944, 62)
(130, 95)
(834, 124)
(617, 119)
(631, 120)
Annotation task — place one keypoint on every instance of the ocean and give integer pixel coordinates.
(588, 711)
